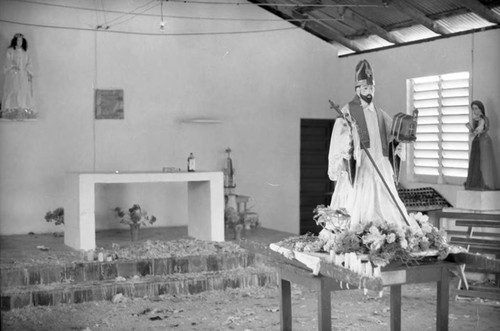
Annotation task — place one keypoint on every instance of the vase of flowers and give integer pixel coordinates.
(134, 231)
(135, 217)
(56, 216)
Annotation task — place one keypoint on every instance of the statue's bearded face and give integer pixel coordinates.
(366, 92)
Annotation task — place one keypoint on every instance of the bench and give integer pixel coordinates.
(478, 233)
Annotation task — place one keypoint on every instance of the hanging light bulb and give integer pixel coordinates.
(162, 23)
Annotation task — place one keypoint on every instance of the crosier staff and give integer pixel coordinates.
(350, 123)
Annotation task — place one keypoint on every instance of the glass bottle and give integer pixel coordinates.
(191, 163)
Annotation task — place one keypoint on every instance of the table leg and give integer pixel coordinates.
(396, 308)
(324, 308)
(285, 305)
(443, 297)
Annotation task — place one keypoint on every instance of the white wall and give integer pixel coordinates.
(259, 84)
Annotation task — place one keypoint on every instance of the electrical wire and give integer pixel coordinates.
(226, 3)
(99, 11)
(124, 13)
(103, 13)
(134, 12)
(254, 19)
(152, 4)
(270, 4)
(162, 23)
(152, 34)
(130, 12)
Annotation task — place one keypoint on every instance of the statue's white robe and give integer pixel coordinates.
(367, 199)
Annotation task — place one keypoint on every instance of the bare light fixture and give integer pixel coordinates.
(162, 23)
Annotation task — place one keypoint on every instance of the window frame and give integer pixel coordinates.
(463, 134)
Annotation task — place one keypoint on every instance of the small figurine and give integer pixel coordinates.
(481, 174)
(229, 171)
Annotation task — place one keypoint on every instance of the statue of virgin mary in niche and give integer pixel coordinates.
(17, 99)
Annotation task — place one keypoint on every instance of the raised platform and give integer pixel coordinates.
(95, 281)
(30, 276)
(479, 200)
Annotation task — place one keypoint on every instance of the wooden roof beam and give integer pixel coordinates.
(479, 9)
(320, 28)
(406, 8)
(371, 26)
(334, 34)
(305, 7)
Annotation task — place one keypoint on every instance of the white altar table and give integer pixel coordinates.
(205, 203)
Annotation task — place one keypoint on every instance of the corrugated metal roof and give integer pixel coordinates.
(433, 7)
(372, 24)
(413, 33)
(464, 22)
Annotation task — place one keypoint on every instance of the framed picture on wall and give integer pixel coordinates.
(109, 104)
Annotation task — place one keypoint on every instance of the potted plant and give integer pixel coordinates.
(234, 221)
(134, 217)
(56, 216)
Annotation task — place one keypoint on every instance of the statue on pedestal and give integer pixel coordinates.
(481, 175)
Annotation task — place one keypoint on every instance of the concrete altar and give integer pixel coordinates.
(205, 203)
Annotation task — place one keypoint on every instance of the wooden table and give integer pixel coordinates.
(393, 276)
(330, 277)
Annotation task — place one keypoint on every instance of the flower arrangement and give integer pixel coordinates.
(380, 241)
(134, 216)
(251, 220)
(233, 221)
(56, 216)
(335, 220)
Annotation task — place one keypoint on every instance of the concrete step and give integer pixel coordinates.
(139, 286)
(77, 272)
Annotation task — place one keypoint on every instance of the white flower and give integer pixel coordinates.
(426, 228)
(417, 230)
(419, 217)
(391, 238)
(374, 230)
(374, 239)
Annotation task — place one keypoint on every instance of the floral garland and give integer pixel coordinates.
(380, 241)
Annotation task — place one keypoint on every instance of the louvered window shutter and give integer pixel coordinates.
(441, 152)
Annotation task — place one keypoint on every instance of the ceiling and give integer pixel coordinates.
(357, 26)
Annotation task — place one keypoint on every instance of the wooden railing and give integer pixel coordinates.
(480, 234)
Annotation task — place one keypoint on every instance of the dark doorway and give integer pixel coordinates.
(315, 186)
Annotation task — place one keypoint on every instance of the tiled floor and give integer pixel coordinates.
(28, 247)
